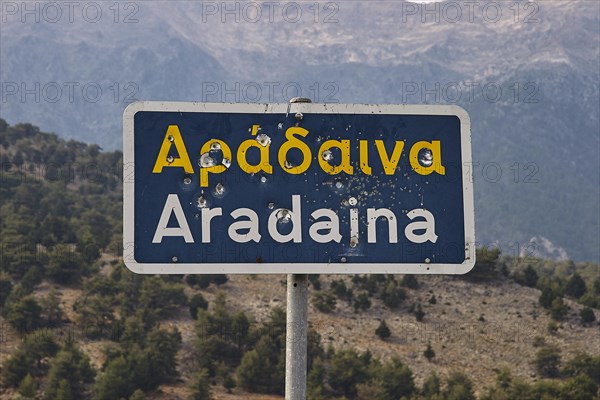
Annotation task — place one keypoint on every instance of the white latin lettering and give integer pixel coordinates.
(172, 205)
(294, 214)
(332, 225)
(251, 225)
(207, 215)
(372, 215)
(428, 225)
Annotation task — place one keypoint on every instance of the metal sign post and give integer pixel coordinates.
(297, 326)
(295, 337)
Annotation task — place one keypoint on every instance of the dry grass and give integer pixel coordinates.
(512, 319)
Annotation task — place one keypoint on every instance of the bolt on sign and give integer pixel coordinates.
(297, 188)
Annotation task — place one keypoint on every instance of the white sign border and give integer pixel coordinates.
(294, 268)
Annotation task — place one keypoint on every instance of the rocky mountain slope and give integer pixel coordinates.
(527, 73)
(477, 328)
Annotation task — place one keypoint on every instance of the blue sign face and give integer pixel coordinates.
(304, 188)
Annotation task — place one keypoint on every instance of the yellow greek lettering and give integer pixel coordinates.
(364, 157)
(389, 165)
(210, 165)
(264, 164)
(173, 136)
(294, 143)
(325, 156)
(433, 160)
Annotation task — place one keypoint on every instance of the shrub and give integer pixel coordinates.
(419, 313)
(24, 314)
(392, 295)
(339, 289)
(547, 361)
(161, 297)
(559, 309)
(362, 302)
(27, 387)
(115, 382)
(458, 387)
(383, 331)
(65, 264)
(324, 301)
(263, 368)
(197, 301)
(431, 386)
(5, 288)
(314, 281)
(580, 387)
(396, 379)
(27, 359)
(229, 383)
(527, 277)
(584, 364)
(552, 327)
(69, 372)
(575, 286)
(410, 281)
(347, 370)
(587, 315)
(429, 354)
(547, 296)
(201, 386)
(203, 281)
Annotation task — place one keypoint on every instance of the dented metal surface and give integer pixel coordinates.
(376, 182)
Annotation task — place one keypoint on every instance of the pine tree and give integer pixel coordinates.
(575, 286)
(229, 383)
(410, 281)
(429, 353)
(115, 382)
(587, 315)
(197, 301)
(383, 331)
(547, 361)
(201, 386)
(72, 366)
(27, 387)
(431, 386)
(419, 313)
(64, 391)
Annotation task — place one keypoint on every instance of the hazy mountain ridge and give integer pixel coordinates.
(375, 52)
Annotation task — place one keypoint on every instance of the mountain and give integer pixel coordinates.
(70, 309)
(535, 144)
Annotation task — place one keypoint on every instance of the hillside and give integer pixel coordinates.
(69, 308)
(513, 321)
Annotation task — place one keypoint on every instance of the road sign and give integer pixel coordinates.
(299, 188)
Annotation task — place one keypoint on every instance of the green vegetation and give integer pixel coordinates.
(429, 354)
(61, 228)
(547, 361)
(383, 331)
(324, 301)
(70, 370)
